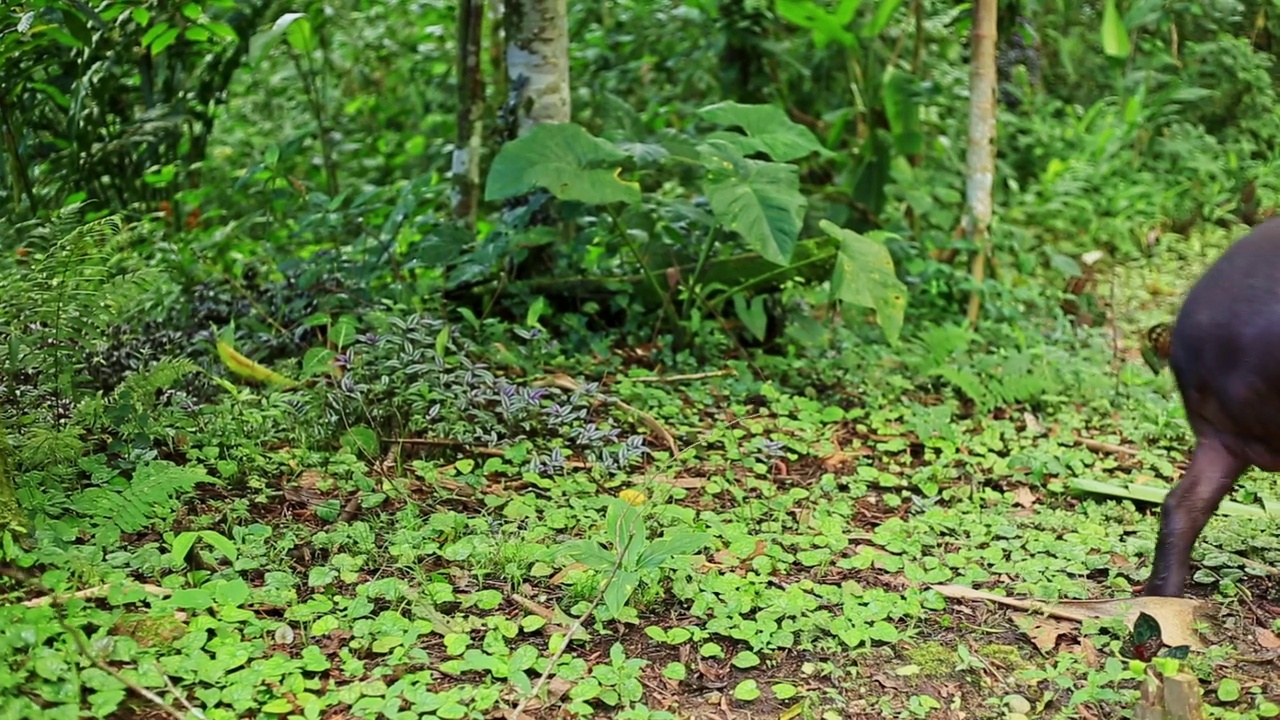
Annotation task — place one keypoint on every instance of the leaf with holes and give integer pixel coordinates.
(864, 275)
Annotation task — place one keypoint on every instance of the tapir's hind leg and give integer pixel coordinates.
(1187, 509)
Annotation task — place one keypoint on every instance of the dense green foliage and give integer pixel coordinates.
(696, 391)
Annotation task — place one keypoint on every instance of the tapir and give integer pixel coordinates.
(1224, 351)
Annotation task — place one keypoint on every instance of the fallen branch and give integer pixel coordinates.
(685, 378)
(93, 592)
(349, 510)
(1099, 446)
(1175, 615)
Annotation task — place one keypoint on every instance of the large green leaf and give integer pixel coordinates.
(900, 108)
(619, 591)
(884, 13)
(623, 523)
(1115, 38)
(761, 209)
(825, 27)
(760, 201)
(768, 130)
(864, 276)
(564, 159)
(261, 43)
(674, 545)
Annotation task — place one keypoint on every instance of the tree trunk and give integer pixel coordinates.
(981, 160)
(466, 151)
(538, 60)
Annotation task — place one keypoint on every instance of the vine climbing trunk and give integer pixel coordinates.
(981, 159)
(465, 198)
(538, 60)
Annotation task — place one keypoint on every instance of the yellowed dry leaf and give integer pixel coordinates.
(1266, 638)
(1175, 615)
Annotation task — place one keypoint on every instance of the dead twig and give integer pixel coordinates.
(1099, 446)
(93, 592)
(349, 510)
(689, 377)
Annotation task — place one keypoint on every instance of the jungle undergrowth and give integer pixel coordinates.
(411, 530)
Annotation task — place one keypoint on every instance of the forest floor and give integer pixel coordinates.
(819, 515)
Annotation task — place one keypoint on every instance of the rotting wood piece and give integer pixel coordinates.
(1169, 697)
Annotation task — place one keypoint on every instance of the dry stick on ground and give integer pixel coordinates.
(96, 591)
(685, 378)
(349, 510)
(1100, 446)
(102, 665)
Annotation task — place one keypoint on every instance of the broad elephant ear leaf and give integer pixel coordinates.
(761, 201)
(566, 161)
(767, 129)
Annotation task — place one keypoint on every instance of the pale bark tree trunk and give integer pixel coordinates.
(466, 152)
(538, 60)
(981, 160)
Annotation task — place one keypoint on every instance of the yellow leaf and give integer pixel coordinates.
(633, 497)
(244, 367)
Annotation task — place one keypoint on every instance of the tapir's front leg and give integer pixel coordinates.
(1185, 512)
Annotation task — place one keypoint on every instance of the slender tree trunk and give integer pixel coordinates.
(981, 160)
(538, 60)
(466, 152)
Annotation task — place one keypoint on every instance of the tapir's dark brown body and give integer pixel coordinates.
(1225, 357)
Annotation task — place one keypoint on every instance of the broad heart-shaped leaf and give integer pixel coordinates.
(760, 201)
(768, 130)
(864, 276)
(564, 159)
